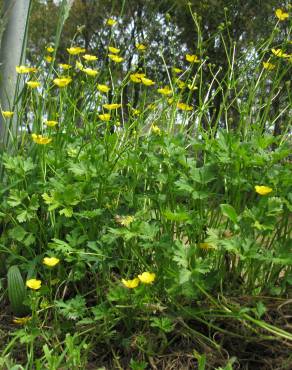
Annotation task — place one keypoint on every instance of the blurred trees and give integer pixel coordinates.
(168, 28)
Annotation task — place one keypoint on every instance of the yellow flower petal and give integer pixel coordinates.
(89, 58)
(113, 50)
(112, 106)
(51, 261)
(147, 277)
(104, 117)
(7, 114)
(62, 81)
(282, 16)
(263, 190)
(131, 283)
(33, 284)
(33, 84)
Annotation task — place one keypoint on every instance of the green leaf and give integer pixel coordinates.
(229, 212)
(67, 212)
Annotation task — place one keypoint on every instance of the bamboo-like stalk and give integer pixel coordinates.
(11, 55)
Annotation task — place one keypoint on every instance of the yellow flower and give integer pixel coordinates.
(192, 58)
(7, 114)
(75, 50)
(48, 58)
(113, 50)
(181, 84)
(184, 106)
(51, 261)
(62, 81)
(103, 88)
(176, 70)
(104, 117)
(263, 190)
(141, 47)
(206, 246)
(147, 81)
(33, 284)
(33, 84)
(165, 91)
(90, 71)
(136, 112)
(24, 69)
(136, 77)
(124, 220)
(112, 106)
(111, 22)
(51, 123)
(21, 320)
(279, 53)
(115, 58)
(50, 49)
(147, 277)
(131, 283)
(39, 139)
(268, 66)
(64, 66)
(156, 130)
(282, 16)
(89, 58)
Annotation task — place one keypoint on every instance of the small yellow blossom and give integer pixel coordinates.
(39, 139)
(141, 47)
(75, 50)
(282, 16)
(165, 91)
(263, 190)
(50, 49)
(104, 117)
(147, 81)
(64, 66)
(89, 58)
(131, 283)
(206, 246)
(111, 22)
(33, 84)
(24, 69)
(156, 130)
(279, 53)
(7, 114)
(124, 220)
(268, 66)
(181, 84)
(192, 58)
(21, 320)
(51, 261)
(115, 58)
(136, 77)
(51, 123)
(48, 58)
(136, 112)
(147, 277)
(90, 71)
(176, 70)
(62, 81)
(103, 88)
(112, 106)
(184, 106)
(113, 50)
(33, 284)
